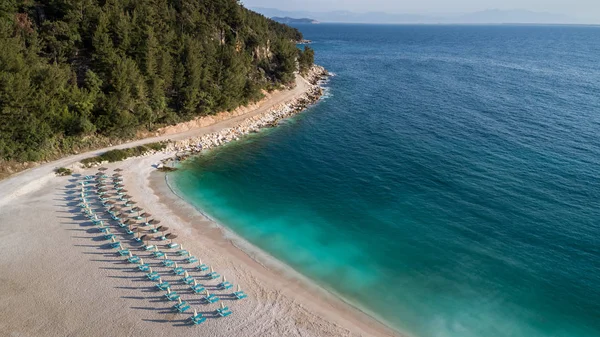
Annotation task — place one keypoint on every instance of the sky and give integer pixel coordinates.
(577, 8)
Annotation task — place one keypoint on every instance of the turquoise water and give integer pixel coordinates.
(449, 183)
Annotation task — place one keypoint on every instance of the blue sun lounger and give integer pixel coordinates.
(240, 295)
(187, 280)
(224, 312)
(173, 245)
(197, 319)
(103, 229)
(213, 275)
(133, 259)
(181, 308)
(158, 254)
(225, 285)
(129, 232)
(123, 252)
(198, 288)
(144, 267)
(153, 276)
(210, 299)
(172, 296)
(116, 244)
(178, 271)
(182, 252)
(202, 267)
(192, 259)
(109, 236)
(163, 286)
(148, 247)
(168, 263)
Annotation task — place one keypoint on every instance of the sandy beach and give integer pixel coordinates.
(59, 277)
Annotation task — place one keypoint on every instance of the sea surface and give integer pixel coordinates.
(448, 183)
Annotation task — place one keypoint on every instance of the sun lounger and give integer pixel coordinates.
(182, 252)
(123, 252)
(210, 299)
(213, 275)
(168, 263)
(198, 288)
(148, 247)
(202, 267)
(172, 296)
(173, 245)
(197, 319)
(187, 280)
(129, 232)
(224, 312)
(153, 276)
(225, 285)
(158, 254)
(192, 259)
(108, 236)
(178, 271)
(181, 307)
(144, 267)
(163, 286)
(133, 259)
(115, 244)
(240, 295)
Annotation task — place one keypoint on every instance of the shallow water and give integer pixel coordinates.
(448, 184)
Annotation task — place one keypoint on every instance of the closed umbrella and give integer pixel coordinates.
(102, 169)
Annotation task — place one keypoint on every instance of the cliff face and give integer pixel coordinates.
(71, 72)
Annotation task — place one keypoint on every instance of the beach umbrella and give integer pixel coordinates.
(162, 229)
(141, 261)
(165, 256)
(195, 283)
(179, 301)
(111, 202)
(207, 293)
(239, 288)
(212, 270)
(126, 196)
(176, 266)
(170, 237)
(195, 313)
(117, 175)
(118, 169)
(160, 280)
(222, 306)
(168, 290)
(130, 255)
(154, 222)
(224, 280)
(146, 216)
(99, 173)
(124, 191)
(186, 274)
(129, 222)
(102, 169)
(150, 270)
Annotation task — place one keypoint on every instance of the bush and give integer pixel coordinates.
(63, 171)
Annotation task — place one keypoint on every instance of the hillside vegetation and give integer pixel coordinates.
(77, 73)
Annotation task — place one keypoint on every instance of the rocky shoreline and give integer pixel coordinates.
(185, 148)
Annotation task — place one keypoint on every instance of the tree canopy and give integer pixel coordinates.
(74, 69)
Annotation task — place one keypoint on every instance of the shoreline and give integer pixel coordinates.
(268, 267)
(81, 279)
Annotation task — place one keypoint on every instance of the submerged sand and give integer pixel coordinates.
(58, 277)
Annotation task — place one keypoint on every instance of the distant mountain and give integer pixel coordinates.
(492, 16)
(290, 21)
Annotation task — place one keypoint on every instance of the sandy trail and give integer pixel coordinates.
(59, 277)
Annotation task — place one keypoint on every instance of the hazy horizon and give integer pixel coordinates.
(582, 10)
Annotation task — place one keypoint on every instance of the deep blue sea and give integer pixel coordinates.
(448, 184)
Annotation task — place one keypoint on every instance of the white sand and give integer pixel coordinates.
(59, 278)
